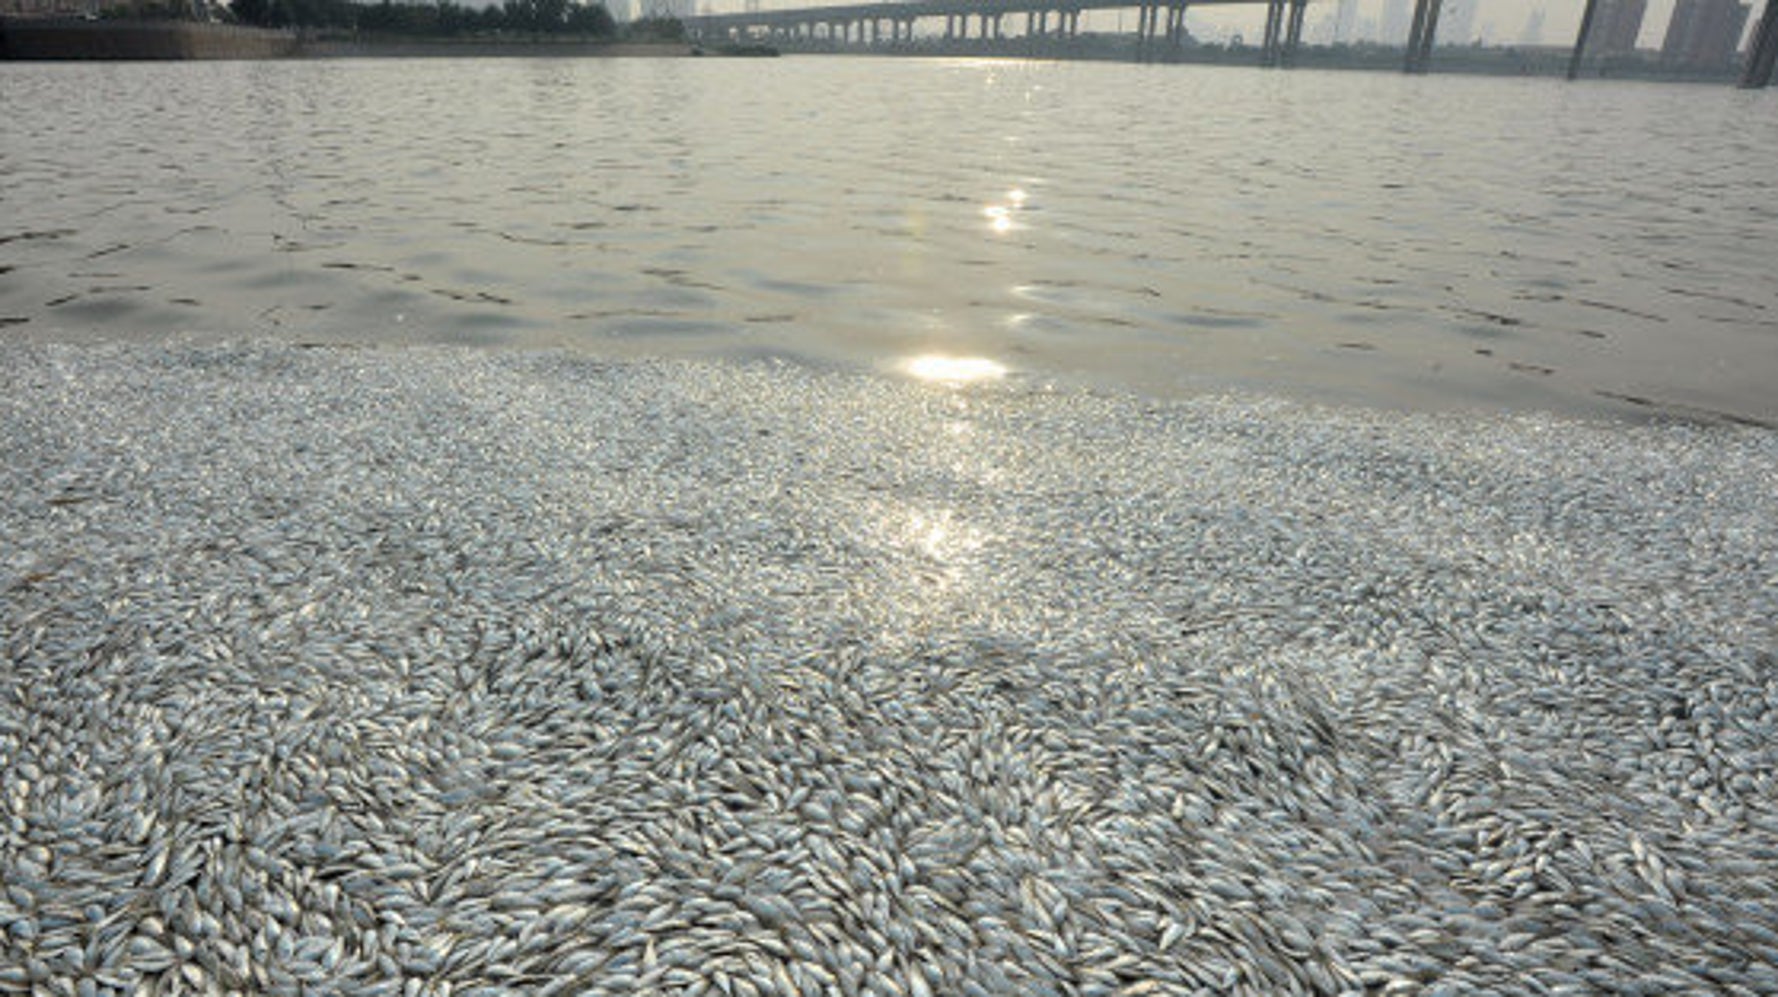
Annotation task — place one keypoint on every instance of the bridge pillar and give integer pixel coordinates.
(1268, 48)
(1175, 29)
(1295, 36)
(1425, 28)
(1580, 39)
(1762, 53)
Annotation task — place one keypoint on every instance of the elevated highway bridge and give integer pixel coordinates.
(1160, 27)
(1160, 24)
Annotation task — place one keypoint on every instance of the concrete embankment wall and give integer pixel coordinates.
(405, 49)
(71, 39)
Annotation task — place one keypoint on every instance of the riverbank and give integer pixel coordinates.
(446, 48)
(78, 39)
(465, 666)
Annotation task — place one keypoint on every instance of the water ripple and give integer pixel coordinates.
(1345, 234)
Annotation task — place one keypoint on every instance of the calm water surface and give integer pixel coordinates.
(1406, 241)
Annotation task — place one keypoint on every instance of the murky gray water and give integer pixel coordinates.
(1485, 242)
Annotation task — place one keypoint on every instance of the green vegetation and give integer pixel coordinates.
(147, 10)
(655, 29)
(442, 19)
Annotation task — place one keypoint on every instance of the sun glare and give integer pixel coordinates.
(940, 369)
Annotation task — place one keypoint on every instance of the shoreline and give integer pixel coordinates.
(31, 39)
(457, 663)
(445, 48)
(1156, 375)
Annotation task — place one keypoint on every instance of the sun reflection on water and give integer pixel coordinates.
(939, 368)
(1001, 214)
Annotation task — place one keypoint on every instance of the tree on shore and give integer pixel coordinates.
(656, 28)
(444, 18)
(591, 19)
(294, 13)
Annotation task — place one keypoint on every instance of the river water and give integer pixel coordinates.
(1420, 242)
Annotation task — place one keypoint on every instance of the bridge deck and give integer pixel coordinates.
(925, 8)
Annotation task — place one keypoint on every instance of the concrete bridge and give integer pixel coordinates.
(1160, 27)
(1160, 24)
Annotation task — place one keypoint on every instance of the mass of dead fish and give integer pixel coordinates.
(444, 672)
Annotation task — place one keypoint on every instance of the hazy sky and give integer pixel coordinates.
(1497, 21)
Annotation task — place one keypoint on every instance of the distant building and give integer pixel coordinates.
(1345, 19)
(1456, 22)
(199, 10)
(1395, 22)
(49, 7)
(1703, 34)
(1616, 25)
(1533, 33)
